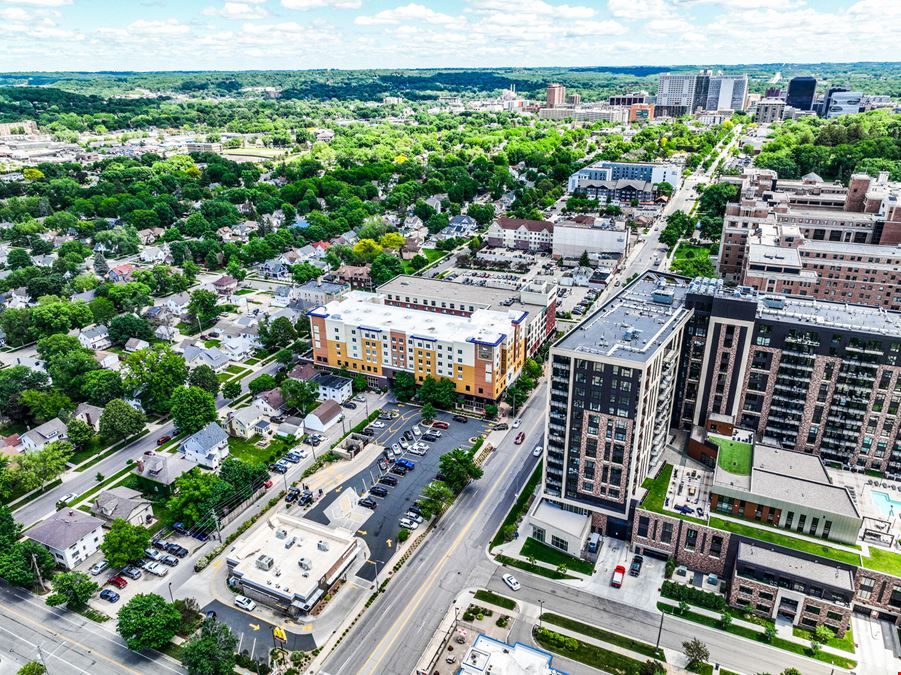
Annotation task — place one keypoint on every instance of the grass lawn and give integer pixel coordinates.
(552, 556)
(655, 499)
(734, 456)
(235, 370)
(519, 507)
(245, 291)
(758, 636)
(775, 537)
(883, 561)
(211, 343)
(605, 636)
(534, 569)
(432, 254)
(86, 452)
(596, 657)
(495, 599)
(246, 449)
(252, 361)
(845, 643)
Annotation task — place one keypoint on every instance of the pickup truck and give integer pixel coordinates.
(618, 575)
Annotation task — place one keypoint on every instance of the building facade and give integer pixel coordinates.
(556, 95)
(769, 110)
(520, 234)
(801, 92)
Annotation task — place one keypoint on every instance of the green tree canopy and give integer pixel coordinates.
(124, 542)
(192, 409)
(147, 621)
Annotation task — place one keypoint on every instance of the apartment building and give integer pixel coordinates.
(769, 110)
(633, 98)
(481, 352)
(556, 95)
(521, 234)
(727, 93)
(645, 174)
(868, 211)
(588, 113)
(596, 236)
(682, 94)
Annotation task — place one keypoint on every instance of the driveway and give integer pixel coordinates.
(254, 633)
(379, 527)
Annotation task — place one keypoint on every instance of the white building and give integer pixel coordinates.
(323, 418)
(572, 238)
(208, 447)
(651, 172)
(727, 92)
(334, 387)
(95, 337)
(35, 439)
(844, 103)
(70, 535)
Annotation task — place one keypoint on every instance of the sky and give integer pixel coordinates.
(301, 34)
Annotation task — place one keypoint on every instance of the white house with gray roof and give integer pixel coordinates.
(213, 357)
(70, 535)
(95, 337)
(35, 439)
(208, 447)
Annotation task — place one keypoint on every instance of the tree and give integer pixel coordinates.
(418, 262)
(264, 382)
(366, 250)
(13, 381)
(69, 370)
(435, 498)
(442, 393)
(696, 651)
(99, 387)
(119, 420)
(428, 412)
(392, 240)
(72, 589)
(18, 258)
(304, 272)
(279, 333)
(38, 468)
(584, 260)
(124, 542)
(103, 310)
(153, 374)
(127, 326)
(823, 634)
(791, 671)
(10, 529)
(683, 607)
(404, 386)
(32, 667)
(211, 651)
(458, 468)
(79, 433)
(481, 213)
(359, 383)
(726, 620)
(100, 265)
(664, 188)
(147, 621)
(191, 501)
(17, 563)
(384, 268)
(202, 307)
(299, 393)
(490, 411)
(769, 632)
(56, 345)
(815, 647)
(45, 405)
(243, 476)
(231, 390)
(129, 297)
(531, 369)
(204, 377)
(192, 409)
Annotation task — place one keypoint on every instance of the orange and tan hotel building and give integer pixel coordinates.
(481, 353)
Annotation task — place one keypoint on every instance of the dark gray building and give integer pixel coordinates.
(801, 92)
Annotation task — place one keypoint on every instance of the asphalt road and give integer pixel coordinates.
(393, 633)
(68, 642)
(43, 506)
(254, 633)
(382, 525)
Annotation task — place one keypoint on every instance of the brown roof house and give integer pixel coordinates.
(327, 415)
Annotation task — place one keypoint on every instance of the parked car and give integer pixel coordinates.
(245, 603)
(169, 560)
(293, 494)
(278, 419)
(378, 491)
(388, 480)
(429, 437)
(350, 405)
(267, 483)
(439, 424)
(516, 423)
(180, 528)
(399, 470)
(200, 536)
(415, 517)
(377, 425)
(368, 431)
(406, 463)
(306, 497)
(503, 426)
(462, 419)
(157, 568)
(177, 550)
(520, 437)
(537, 452)
(395, 448)
(278, 468)
(117, 581)
(404, 444)
(131, 572)
(418, 449)
(292, 457)
(152, 554)
(98, 567)
(162, 440)
(416, 430)
(314, 441)
(408, 524)
(360, 398)
(511, 581)
(109, 595)
(368, 502)
(635, 567)
(618, 575)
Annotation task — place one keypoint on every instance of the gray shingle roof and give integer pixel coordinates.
(64, 528)
(205, 439)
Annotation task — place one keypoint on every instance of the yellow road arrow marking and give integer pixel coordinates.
(254, 626)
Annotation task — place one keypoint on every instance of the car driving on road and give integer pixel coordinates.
(511, 581)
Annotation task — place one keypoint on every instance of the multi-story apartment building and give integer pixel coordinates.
(769, 110)
(517, 233)
(556, 95)
(682, 94)
(610, 172)
(868, 211)
(727, 92)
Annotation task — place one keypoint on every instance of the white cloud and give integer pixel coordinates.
(237, 10)
(640, 10)
(41, 3)
(316, 4)
(146, 29)
(13, 14)
(407, 13)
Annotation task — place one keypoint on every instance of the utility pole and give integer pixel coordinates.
(37, 571)
(41, 656)
(540, 611)
(659, 632)
(216, 523)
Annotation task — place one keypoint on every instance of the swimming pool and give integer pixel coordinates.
(888, 506)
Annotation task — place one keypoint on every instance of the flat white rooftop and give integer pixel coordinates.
(488, 655)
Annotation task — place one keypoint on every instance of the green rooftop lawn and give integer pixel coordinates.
(775, 537)
(552, 556)
(655, 499)
(883, 561)
(734, 456)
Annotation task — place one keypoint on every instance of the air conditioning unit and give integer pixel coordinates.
(305, 564)
(322, 545)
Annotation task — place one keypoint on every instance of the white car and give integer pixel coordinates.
(404, 444)
(415, 517)
(416, 450)
(302, 452)
(416, 431)
(157, 568)
(68, 497)
(377, 425)
(511, 581)
(359, 398)
(245, 603)
(97, 568)
(395, 448)
(516, 423)
(537, 451)
(408, 524)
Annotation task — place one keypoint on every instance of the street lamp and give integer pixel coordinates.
(540, 611)
(659, 631)
(171, 598)
(375, 563)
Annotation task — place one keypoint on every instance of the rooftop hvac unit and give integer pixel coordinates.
(281, 533)
(265, 562)
(305, 564)
(322, 545)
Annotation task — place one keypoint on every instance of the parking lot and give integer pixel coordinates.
(254, 633)
(379, 527)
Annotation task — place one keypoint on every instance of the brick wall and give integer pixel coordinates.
(701, 558)
(881, 591)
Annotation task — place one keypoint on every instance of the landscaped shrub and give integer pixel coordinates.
(693, 596)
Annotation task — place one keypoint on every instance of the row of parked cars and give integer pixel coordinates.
(157, 560)
(282, 465)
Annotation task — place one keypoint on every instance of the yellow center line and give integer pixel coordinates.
(394, 633)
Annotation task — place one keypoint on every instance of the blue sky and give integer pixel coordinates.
(298, 34)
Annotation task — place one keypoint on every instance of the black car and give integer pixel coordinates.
(160, 544)
(368, 431)
(440, 476)
(278, 468)
(306, 497)
(415, 508)
(278, 419)
(399, 470)
(314, 441)
(130, 571)
(408, 435)
(635, 568)
(169, 560)
(461, 418)
(378, 491)
(368, 502)
(350, 405)
(176, 550)
(388, 480)
(293, 494)
(503, 426)
(429, 437)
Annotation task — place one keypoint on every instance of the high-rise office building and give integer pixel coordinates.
(773, 92)
(556, 95)
(682, 94)
(843, 103)
(727, 92)
(574, 99)
(827, 99)
(801, 92)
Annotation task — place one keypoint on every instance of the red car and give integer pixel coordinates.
(163, 439)
(118, 582)
(618, 575)
(520, 437)
(268, 484)
(440, 425)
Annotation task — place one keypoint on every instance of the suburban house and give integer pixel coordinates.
(122, 503)
(303, 371)
(213, 357)
(208, 447)
(95, 337)
(89, 414)
(154, 254)
(292, 426)
(150, 235)
(334, 387)
(121, 273)
(316, 293)
(35, 439)
(108, 360)
(157, 473)
(136, 344)
(167, 333)
(412, 248)
(270, 402)
(355, 276)
(243, 423)
(70, 535)
(160, 315)
(30, 362)
(284, 296)
(225, 285)
(239, 347)
(178, 303)
(274, 269)
(327, 415)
